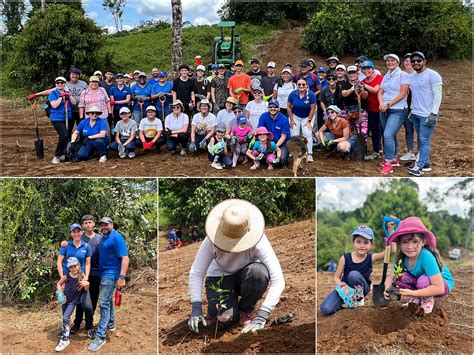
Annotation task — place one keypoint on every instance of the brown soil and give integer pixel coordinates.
(36, 331)
(397, 329)
(294, 246)
(451, 144)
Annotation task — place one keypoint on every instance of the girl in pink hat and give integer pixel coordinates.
(263, 149)
(424, 274)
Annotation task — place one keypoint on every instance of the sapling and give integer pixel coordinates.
(221, 298)
(393, 291)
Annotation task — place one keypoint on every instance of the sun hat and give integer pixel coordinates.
(273, 102)
(330, 59)
(351, 68)
(263, 130)
(394, 56)
(335, 109)
(341, 66)
(271, 65)
(232, 100)
(72, 261)
(239, 62)
(177, 103)
(201, 67)
(60, 78)
(151, 108)
(235, 225)
(204, 101)
(106, 220)
(74, 226)
(419, 54)
(75, 70)
(286, 69)
(220, 127)
(367, 64)
(124, 110)
(93, 78)
(241, 119)
(94, 109)
(364, 232)
(412, 225)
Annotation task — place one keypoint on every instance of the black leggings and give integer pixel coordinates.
(63, 136)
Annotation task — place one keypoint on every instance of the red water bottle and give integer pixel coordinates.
(118, 297)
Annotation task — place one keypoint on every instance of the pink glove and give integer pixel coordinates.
(112, 102)
(32, 96)
(146, 145)
(66, 94)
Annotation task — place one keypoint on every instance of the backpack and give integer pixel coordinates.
(47, 107)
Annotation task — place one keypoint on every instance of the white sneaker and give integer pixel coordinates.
(103, 159)
(310, 158)
(56, 160)
(62, 345)
(131, 155)
(182, 152)
(216, 166)
(408, 157)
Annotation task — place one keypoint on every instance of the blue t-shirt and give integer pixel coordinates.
(85, 127)
(278, 126)
(156, 89)
(426, 264)
(137, 90)
(58, 113)
(80, 253)
(301, 106)
(120, 95)
(258, 147)
(112, 247)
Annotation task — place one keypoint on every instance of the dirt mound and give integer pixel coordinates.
(397, 328)
(293, 245)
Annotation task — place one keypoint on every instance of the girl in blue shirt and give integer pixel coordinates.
(424, 274)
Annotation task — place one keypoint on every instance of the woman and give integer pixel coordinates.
(341, 75)
(236, 255)
(392, 98)
(176, 128)
(226, 116)
(339, 132)
(255, 108)
(202, 126)
(301, 108)
(120, 96)
(141, 95)
(283, 89)
(328, 96)
(94, 96)
(93, 131)
(59, 98)
(409, 128)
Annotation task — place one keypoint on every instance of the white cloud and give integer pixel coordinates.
(92, 15)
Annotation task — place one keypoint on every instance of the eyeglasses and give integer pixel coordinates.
(413, 61)
(60, 82)
(176, 107)
(301, 84)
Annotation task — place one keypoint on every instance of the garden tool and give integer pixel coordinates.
(39, 148)
(361, 143)
(162, 98)
(378, 297)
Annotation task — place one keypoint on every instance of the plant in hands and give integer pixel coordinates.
(221, 298)
(393, 291)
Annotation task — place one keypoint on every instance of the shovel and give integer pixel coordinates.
(39, 148)
(378, 297)
(361, 142)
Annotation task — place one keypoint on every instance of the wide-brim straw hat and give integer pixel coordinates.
(235, 225)
(177, 103)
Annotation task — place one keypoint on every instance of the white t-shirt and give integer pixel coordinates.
(283, 92)
(150, 128)
(204, 125)
(173, 124)
(126, 131)
(213, 262)
(225, 117)
(422, 91)
(391, 83)
(256, 111)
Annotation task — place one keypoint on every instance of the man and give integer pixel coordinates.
(113, 266)
(255, 72)
(202, 85)
(219, 89)
(427, 89)
(154, 78)
(108, 82)
(278, 124)
(268, 81)
(312, 79)
(183, 90)
(239, 84)
(213, 73)
(136, 79)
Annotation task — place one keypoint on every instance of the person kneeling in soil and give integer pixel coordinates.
(125, 131)
(202, 126)
(353, 271)
(263, 149)
(241, 136)
(217, 149)
(424, 276)
(71, 296)
(151, 129)
(236, 251)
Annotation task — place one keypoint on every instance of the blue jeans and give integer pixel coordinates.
(224, 159)
(374, 129)
(106, 304)
(391, 121)
(352, 140)
(284, 154)
(68, 308)
(409, 134)
(86, 151)
(130, 147)
(424, 132)
(198, 138)
(137, 116)
(333, 302)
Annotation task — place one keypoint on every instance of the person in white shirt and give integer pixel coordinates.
(150, 130)
(176, 128)
(255, 108)
(203, 126)
(236, 251)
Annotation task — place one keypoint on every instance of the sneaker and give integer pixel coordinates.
(56, 160)
(387, 168)
(245, 160)
(182, 152)
(270, 166)
(63, 343)
(234, 164)
(394, 162)
(245, 318)
(62, 158)
(74, 329)
(112, 328)
(372, 156)
(91, 333)
(408, 157)
(415, 170)
(96, 344)
(309, 158)
(427, 167)
(103, 159)
(255, 165)
(131, 155)
(216, 166)
(122, 152)
(427, 304)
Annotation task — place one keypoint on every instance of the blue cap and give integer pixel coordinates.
(274, 103)
(367, 64)
(72, 261)
(322, 69)
(213, 66)
(241, 119)
(162, 74)
(220, 127)
(74, 226)
(418, 54)
(119, 75)
(75, 70)
(364, 231)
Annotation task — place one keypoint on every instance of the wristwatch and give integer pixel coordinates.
(122, 277)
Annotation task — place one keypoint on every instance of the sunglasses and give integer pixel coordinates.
(239, 65)
(94, 113)
(413, 61)
(332, 62)
(331, 79)
(60, 82)
(238, 111)
(301, 84)
(272, 107)
(175, 107)
(330, 112)
(257, 92)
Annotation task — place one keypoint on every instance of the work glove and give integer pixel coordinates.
(112, 102)
(237, 91)
(276, 160)
(31, 97)
(196, 317)
(259, 157)
(252, 142)
(331, 142)
(151, 145)
(192, 147)
(432, 119)
(257, 323)
(266, 98)
(203, 144)
(233, 140)
(60, 297)
(219, 147)
(140, 99)
(249, 137)
(120, 146)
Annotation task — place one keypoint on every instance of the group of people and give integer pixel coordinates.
(91, 267)
(237, 116)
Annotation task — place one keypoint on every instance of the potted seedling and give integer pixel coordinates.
(393, 291)
(221, 298)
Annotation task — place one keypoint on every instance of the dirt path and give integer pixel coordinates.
(297, 261)
(395, 329)
(27, 331)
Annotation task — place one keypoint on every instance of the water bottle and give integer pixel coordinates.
(118, 297)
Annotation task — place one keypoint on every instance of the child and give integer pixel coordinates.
(125, 131)
(218, 149)
(353, 271)
(424, 276)
(73, 297)
(151, 129)
(240, 137)
(263, 148)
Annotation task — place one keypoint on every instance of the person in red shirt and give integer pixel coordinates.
(239, 84)
(371, 85)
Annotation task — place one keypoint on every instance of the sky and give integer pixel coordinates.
(354, 191)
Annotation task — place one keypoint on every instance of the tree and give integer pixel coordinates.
(115, 9)
(37, 4)
(12, 13)
(177, 49)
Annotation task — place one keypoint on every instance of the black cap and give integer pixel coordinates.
(304, 63)
(254, 60)
(361, 58)
(106, 220)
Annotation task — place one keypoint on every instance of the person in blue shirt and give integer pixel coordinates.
(120, 96)
(154, 79)
(161, 94)
(425, 276)
(93, 131)
(277, 123)
(141, 95)
(113, 266)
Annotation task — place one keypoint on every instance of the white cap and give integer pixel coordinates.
(341, 66)
(286, 69)
(124, 110)
(97, 72)
(151, 107)
(271, 65)
(60, 78)
(142, 74)
(127, 76)
(351, 68)
(201, 67)
(394, 56)
(136, 72)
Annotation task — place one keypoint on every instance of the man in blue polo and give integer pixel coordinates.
(113, 266)
(278, 124)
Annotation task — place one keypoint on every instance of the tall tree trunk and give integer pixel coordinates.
(177, 50)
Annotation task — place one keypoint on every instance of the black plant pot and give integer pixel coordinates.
(393, 292)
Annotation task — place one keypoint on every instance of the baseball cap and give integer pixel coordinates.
(124, 110)
(213, 66)
(142, 74)
(72, 261)
(238, 107)
(330, 75)
(408, 55)
(60, 78)
(151, 108)
(367, 64)
(273, 103)
(361, 59)
(241, 119)
(351, 68)
(394, 56)
(127, 76)
(286, 69)
(106, 220)
(119, 75)
(254, 60)
(136, 72)
(75, 70)
(304, 63)
(97, 72)
(74, 226)
(341, 66)
(239, 62)
(364, 231)
(322, 69)
(221, 65)
(220, 127)
(418, 54)
(271, 65)
(162, 74)
(201, 67)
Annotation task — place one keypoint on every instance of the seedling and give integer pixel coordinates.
(398, 269)
(393, 290)
(221, 298)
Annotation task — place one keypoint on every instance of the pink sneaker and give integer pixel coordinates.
(394, 162)
(415, 300)
(387, 168)
(427, 304)
(255, 166)
(245, 318)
